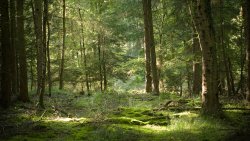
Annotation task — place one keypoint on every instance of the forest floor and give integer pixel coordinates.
(122, 117)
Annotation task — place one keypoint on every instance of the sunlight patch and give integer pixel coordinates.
(186, 113)
(66, 119)
(155, 127)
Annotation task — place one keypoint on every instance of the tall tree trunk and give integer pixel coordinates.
(152, 48)
(105, 82)
(205, 29)
(197, 74)
(31, 76)
(45, 20)
(13, 46)
(5, 46)
(197, 78)
(242, 61)
(40, 50)
(22, 53)
(86, 69)
(149, 48)
(148, 78)
(231, 75)
(247, 4)
(223, 47)
(48, 59)
(63, 50)
(84, 55)
(222, 65)
(160, 56)
(100, 62)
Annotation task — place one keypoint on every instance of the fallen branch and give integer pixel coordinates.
(61, 111)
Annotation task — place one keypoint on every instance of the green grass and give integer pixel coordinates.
(115, 116)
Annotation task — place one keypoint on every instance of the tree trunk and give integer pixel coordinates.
(197, 78)
(205, 29)
(63, 50)
(5, 46)
(84, 55)
(40, 50)
(100, 62)
(86, 69)
(13, 46)
(151, 72)
(105, 82)
(242, 63)
(31, 76)
(48, 59)
(247, 4)
(45, 20)
(160, 54)
(22, 53)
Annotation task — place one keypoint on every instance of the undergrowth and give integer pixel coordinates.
(114, 116)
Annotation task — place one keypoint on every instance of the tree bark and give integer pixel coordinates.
(160, 55)
(105, 82)
(45, 20)
(22, 53)
(40, 50)
(13, 46)
(31, 76)
(48, 59)
(204, 26)
(100, 61)
(63, 50)
(197, 69)
(247, 6)
(150, 55)
(197, 78)
(5, 46)
(84, 55)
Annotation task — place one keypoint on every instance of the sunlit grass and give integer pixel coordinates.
(121, 116)
(155, 128)
(66, 119)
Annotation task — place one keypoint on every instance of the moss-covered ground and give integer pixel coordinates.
(114, 116)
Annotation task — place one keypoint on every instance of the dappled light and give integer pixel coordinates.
(65, 119)
(125, 70)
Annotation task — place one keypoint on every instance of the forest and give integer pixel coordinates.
(125, 70)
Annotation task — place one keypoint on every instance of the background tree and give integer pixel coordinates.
(247, 5)
(40, 51)
(6, 52)
(63, 49)
(22, 52)
(150, 54)
(204, 26)
(13, 33)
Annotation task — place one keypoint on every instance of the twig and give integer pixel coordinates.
(42, 115)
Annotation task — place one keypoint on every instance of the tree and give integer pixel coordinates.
(6, 52)
(13, 46)
(83, 51)
(204, 26)
(150, 54)
(196, 65)
(197, 78)
(23, 96)
(247, 6)
(48, 59)
(63, 50)
(40, 50)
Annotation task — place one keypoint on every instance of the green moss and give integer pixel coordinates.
(139, 117)
(131, 122)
